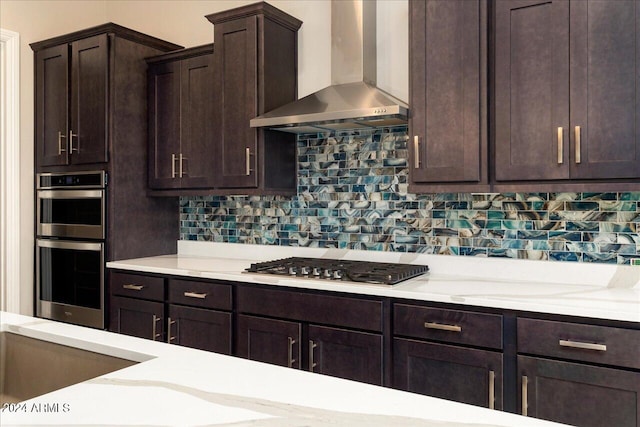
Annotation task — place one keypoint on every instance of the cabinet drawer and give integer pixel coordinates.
(454, 326)
(200, 294)
(589, 343)
(315, 308)
(137, 286)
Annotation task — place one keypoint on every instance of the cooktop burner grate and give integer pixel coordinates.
(340, 270)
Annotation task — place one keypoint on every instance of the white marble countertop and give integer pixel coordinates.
(598, 291)
(175, 385)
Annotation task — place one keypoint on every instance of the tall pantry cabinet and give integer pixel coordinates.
(91, 115)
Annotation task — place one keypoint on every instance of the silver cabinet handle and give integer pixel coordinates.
(181, 171)
(247, 155)
(291, 360)
(169, 337)
(442, 327)
(582, 345)
(154, 329)
(195, 295)
(560, 145)
(60, 149)
(577, 132)
(133, 287)
(525, 397)
(312, 364)
(71, 149)
(173, 165)
(492, 390)
(416, 152)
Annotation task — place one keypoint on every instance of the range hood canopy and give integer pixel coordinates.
(353, 100)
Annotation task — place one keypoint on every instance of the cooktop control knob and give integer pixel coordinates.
(317, 271)
(327, 274)
(338, 274)
(304, 270)
(293, 271)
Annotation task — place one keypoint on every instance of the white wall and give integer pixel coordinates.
(184, 23)
(34, 21)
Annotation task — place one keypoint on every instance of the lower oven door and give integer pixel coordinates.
(70, 281)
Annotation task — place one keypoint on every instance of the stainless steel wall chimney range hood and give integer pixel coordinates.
(352, 101)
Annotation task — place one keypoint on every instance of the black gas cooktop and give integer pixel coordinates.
(340, 270)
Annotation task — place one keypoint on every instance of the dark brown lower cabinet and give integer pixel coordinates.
(346, 354)
(139, 318)
(450, 372)
(199, 328)
(331, 351)
(270, 341)
(578, 394)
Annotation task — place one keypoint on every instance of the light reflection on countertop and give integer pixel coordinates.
(586, 290)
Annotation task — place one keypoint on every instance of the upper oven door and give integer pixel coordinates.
(71, 213)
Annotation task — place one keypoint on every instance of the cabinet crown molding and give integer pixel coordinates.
(109, 27)
(260, 8)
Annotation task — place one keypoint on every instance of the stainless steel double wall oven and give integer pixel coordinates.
(70, 247)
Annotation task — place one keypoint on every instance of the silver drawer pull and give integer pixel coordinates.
(525, 396)
(492, 390)
(195, 295)
(583, 345)
(290, 359)
(578, 144)
(132, 287)
(169, 324)
(154, 327)
(442, 327)
(560, 145)
(247, 157)
(416, 152)
(312, 363)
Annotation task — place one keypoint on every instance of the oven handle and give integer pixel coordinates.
(65, 244)
(70, 194)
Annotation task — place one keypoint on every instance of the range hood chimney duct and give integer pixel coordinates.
(352, 101)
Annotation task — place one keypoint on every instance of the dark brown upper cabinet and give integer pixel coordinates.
(180, 103)
(77, 79)
(566, 93)
(71, 96)
(448, 87)
(255, 70)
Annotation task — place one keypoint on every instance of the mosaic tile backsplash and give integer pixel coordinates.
(352, 193)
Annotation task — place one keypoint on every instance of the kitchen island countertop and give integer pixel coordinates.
(600, 291)
(175, 385)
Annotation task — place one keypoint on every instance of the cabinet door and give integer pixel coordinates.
(456, 373)
(164, 125)
(196, 138)
(52, 89)
(605, 89)
(136, 317)
(531, 90)
(235, 77)
(447, 49)
(345, 354)
(271, 341)
(208, 330)
(89, 98)
(577, 394)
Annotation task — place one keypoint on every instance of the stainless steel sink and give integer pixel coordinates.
(30, 367)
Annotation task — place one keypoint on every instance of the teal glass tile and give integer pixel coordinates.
(353, 194)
